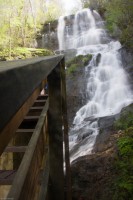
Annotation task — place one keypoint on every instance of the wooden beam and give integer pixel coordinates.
(37, 108)
(24, 130)
(16, 149)
(55, 136)
(68, 193)
(45, 180)
(27, 175)
(31, 118)
(18, 80)
(7, 176)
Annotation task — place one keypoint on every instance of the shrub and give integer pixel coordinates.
(123, 183)
(72, 69)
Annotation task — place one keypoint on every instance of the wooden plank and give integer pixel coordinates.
(24, 130)
(27, 175)
(45, 180)
(45, 96)
(37, 108)
(15, 149)
(55, 136)
(39, 103)
(31, 118)
(40, 100)
(7, 176)
(35, 111)
(10, 129)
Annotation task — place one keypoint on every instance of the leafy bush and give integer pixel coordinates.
(119, 13)
(23, 53)
(78, 61)
(123, 184)
(75, 60)
(125, 121)
(86, 59)
(72, 69)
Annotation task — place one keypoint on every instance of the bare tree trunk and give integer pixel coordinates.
(10, 38)
(34, 18)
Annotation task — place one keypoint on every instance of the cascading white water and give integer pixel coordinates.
(83, 31)
(61, 33)
(107, 87)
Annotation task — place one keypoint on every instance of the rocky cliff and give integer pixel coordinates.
(105, 174)
(94, 177)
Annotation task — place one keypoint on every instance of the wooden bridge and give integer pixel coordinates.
(33, 130)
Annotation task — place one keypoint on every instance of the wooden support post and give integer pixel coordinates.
(56, 189)
(66, 137)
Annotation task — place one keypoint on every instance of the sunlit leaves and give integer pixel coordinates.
(120, 13)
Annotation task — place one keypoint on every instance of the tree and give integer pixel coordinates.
(119, 13)
(53, 11)
(21, 20)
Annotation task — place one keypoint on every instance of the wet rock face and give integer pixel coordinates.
(127, 60)
(91, 176)
(76, 92)
(106, 128)
(48, 36)
(76, 82)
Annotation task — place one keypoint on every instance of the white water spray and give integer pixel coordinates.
(61, 33)
(107, 87)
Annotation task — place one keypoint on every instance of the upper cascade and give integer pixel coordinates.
(82, 29)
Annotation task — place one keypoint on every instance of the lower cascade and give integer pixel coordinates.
(107, 88)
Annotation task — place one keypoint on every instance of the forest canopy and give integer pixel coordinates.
(21, 20)
(119, 16)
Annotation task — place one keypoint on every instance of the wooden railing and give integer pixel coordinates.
(33, 127)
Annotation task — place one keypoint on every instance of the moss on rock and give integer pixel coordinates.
(78, 61)
(23, 53)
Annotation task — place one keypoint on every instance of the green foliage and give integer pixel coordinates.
(86, 59)
(21, 20)
(123, 183)
(99, 5)
(119, 13)
(22, 53)
(72, 69)
(53, 11)
(78, 61)
(74, 60)
(125, 121)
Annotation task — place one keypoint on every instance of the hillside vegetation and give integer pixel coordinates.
(23, 53)
(123, 183)
(20, 23)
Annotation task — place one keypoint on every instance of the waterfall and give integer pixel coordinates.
(107, 87)
(61, 33)
(82, 31)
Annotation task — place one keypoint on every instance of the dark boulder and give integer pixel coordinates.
(84, 134)
(98, 59)
(92, 175)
